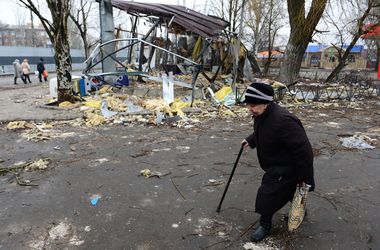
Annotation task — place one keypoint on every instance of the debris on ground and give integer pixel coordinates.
(19, 125)
(358, 142)
(40, 134)
(65, 104)
(258, 246)
(94, 199)
(56, 234)
(40, 164)
(147, 173)
(212, 227)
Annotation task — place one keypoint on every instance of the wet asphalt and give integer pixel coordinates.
(177, 210)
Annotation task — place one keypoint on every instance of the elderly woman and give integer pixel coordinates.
(17, 69)
(26, 71)
(284, 153)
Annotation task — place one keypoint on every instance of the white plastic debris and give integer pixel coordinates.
(104, 109)
(356, 141)
(258, 246)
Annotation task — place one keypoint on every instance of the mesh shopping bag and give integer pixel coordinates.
(297, 210)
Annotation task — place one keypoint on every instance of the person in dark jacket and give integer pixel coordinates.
(40, 69)
(284, 153)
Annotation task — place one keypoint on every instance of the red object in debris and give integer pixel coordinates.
(373, 33)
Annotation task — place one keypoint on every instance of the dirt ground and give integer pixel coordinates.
(91, 194)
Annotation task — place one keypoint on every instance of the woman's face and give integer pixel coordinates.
(256, 109)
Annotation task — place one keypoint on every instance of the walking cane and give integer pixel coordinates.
(229, 180)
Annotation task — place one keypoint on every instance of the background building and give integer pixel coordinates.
(16, 35)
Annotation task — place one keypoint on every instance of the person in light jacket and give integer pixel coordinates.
(17, 71)
(25, 67)
(284, 153)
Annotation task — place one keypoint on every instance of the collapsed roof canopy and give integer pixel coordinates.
(188, 19)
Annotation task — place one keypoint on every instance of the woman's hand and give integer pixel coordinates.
(244, 143)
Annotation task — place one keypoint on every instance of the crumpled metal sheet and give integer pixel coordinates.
(188, 19)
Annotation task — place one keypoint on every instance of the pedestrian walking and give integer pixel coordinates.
(25, 67)
(17, 71)
(41, 70)
(284, 153)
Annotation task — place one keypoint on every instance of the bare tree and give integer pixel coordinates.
(273, 25)
(80, 15)
(357, 32)
(302, 27)
(228, 10)
(58, 33)
(263, 16)
(20, 17)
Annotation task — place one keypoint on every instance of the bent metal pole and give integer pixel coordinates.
(229, 180)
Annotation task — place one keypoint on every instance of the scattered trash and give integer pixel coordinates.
(94, 120)
(358, 142)
(105, 112)
(147, 173)
(257, 246)
(177, 107)
(158, 105)
(101, 160)
(94, 199)
(175, 225)
(65, 104)
(105, 89)
(334, 124)
(38, 134)
(97, 162)
(57, 148)
(132, 108)
(213, 182)
(212, 227)
(40, 164)
(161, 149)
(183, 149)
(19, 125)
(168, 88)
(160, 117)
(223, 92)
(93, 103)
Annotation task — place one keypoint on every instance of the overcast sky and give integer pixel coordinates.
(13, 13)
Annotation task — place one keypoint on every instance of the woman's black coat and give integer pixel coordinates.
(284, 153)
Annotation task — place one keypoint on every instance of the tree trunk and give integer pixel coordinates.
(252, 61)
(301, 31)
(267, 64)
(86, 48)
(291, 65)
(58, 34)
(63, 66)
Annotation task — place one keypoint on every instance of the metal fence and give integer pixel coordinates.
(348, 85)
